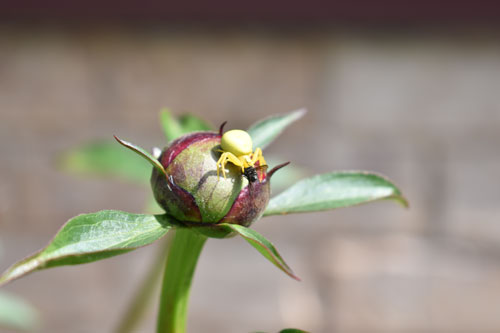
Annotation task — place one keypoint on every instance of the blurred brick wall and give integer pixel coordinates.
(420, 108)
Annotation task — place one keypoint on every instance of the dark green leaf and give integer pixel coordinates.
(265, 247)
(143, 153)
(91, 237)
(16, 313)
(105, 159)
(266, 130)
(333, 190)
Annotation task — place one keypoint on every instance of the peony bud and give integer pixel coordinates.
(193, 193)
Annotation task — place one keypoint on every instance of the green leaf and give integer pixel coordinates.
(105, 159)
(191, 123)
(171, 126)
(266, 130)
(175, 127)
(143, 153)
(91, 237)
(16, 313)
(265, 247)
(333, 190)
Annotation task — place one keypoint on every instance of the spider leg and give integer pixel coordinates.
(257, 156)
(236, 161)
(224, 159)
(221, 164)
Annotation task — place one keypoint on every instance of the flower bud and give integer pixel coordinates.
(193, 193)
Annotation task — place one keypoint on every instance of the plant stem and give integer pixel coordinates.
(179, 269)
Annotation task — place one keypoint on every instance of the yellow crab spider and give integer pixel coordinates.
(237, 148)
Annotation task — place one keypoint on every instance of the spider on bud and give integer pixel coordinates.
(237, 148)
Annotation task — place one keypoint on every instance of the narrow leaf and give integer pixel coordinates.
(142, 152)
(266, 130)
(171, 126)
(333, 190)
(105, 159)
(91, 237)
(16, 313)
(265, 247)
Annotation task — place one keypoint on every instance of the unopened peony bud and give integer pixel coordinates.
(192, 191)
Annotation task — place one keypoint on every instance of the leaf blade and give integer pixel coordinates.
(174, 127)
(265, 247)
(91, 237)
(143, 153)
(170, 125)
(333, 190)
(191, 123)
(105, 159)
(265, 131)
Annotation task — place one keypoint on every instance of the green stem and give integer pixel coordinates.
(179, 269)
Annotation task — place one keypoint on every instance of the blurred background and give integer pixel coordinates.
(407, 89)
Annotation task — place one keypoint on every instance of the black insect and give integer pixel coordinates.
(251, 174)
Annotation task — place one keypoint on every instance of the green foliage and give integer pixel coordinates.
(333, 190)
(171, 126)
(144, 154)
(265, 131)
(91, 237)
(190, 123)
(105, 159)
(265, 247)
(17, 314)
(175, 127)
